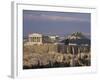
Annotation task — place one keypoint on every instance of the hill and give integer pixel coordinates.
(77, 38)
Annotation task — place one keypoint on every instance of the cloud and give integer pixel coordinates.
(55, 18)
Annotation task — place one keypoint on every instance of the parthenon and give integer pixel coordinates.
(35, 38)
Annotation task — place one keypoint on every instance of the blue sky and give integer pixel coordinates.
(55, 23)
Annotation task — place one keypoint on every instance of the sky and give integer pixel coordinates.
(55, 23)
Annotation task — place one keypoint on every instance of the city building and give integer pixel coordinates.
(54, 38)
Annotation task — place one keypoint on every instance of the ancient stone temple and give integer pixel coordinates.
(35, 38)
